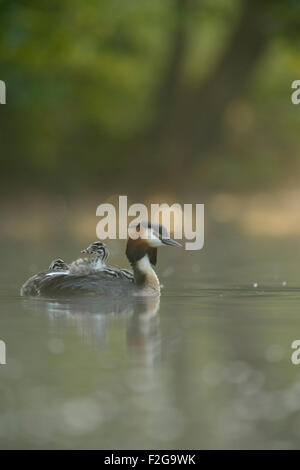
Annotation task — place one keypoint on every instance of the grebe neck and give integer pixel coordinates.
(145, 276)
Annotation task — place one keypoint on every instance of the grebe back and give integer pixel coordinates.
(142, 255)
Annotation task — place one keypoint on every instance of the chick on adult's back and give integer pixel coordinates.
(141, 252)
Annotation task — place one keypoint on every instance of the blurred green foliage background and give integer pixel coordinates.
(164, 101)
(120, 95)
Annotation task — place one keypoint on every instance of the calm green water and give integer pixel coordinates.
(209, 366)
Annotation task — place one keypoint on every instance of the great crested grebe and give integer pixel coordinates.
(58, 265)
(100, 253)
(141, 253)
(78, 267)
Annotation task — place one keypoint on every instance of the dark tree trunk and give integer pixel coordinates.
(193, 125)
(171, 86)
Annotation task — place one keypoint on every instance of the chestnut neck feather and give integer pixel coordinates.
(140, 255)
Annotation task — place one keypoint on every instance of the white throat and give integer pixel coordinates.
(143, 266)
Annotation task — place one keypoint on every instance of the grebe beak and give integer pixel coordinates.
(86, 250)
(170, 242)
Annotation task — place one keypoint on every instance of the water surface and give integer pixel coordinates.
(208, 365)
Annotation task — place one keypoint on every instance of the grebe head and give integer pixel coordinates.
(58, 265)
(98, 249)
(150, 236)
